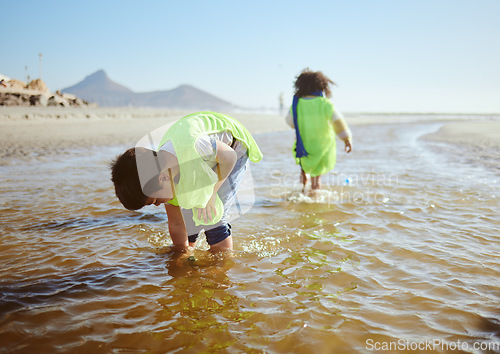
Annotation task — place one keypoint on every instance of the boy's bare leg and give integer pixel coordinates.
(315, 186)
(316, 182)
(303, 180)
(224, 245)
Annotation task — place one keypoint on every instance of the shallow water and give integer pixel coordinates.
(401, 248)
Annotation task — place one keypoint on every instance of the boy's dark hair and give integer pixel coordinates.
(125, 177)
(310, 81)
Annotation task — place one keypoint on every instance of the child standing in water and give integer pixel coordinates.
(195, 171)
(316, 122)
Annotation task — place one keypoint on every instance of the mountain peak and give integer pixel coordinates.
(101, 78)
(97, 85)
(99, 74)
(99, 88)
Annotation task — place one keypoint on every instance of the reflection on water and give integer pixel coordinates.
(401, 245)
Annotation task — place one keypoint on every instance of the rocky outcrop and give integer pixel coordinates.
(36, 93)
(39, 99)
(15, 84)
(38, 85)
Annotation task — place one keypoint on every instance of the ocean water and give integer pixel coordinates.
(399, 251)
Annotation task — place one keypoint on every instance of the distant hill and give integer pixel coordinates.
(98, 88)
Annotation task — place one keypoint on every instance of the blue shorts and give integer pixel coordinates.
(215, 235)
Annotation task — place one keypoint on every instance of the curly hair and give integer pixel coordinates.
(309, 81)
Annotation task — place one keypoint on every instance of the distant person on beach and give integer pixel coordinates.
(316, 122)
(195, 170)
(2, 83)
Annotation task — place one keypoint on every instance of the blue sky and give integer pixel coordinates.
(385, 55)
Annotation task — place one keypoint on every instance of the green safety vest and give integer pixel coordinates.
(197, 179)
(314, 118)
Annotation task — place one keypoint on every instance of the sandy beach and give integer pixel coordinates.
(479, 135)
(27, 132)
(34, 131)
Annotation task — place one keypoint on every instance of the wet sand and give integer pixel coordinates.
(31, 132)
(482, 135)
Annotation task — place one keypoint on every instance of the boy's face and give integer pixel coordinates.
(166, 191)
(156, 201)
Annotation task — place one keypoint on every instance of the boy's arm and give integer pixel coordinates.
(226, 159)
(177, 227)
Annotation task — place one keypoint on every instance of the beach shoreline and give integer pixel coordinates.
(477, 134)
(36, 131)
